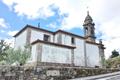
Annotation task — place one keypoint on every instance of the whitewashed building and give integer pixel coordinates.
(62, 48)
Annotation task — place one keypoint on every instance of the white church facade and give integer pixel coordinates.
(62, 48)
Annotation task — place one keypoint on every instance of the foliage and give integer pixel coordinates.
(3, 48)
(114, 54)
(113, 62)
(10, 55)
(17, 55)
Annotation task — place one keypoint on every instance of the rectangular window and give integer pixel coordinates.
(46, 37)
(72, 40)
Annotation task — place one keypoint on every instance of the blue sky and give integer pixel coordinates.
(62, 14)
(15, 22)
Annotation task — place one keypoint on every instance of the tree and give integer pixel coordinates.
(3, 48)
(10, 55)
(114, 54)
(113, 62)
(19, 55)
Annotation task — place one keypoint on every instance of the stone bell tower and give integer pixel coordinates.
(89, 29)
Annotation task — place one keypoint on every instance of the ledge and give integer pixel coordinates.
(51, 43)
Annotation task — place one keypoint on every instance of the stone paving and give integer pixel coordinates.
(117, 77)
(110, 76)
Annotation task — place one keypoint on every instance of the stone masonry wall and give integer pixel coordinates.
(48, 73)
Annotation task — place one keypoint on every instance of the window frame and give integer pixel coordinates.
(72, 40)
(46, 37)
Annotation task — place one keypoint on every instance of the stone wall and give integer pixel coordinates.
(48, 73)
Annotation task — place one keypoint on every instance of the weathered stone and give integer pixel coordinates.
(53, 73)
(43, 77)
(48, 73)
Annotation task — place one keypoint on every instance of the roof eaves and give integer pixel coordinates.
(65, 32)
(46, 42)
(92, 43)
(21, 31)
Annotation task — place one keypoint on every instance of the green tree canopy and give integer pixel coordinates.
(19, 55)
(3, 48)
(10, 55)
(114, 54)
(113, 62)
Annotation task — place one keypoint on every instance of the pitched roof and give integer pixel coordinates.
(65, 32)
(33, 27)
(62, 31)
(40, 29)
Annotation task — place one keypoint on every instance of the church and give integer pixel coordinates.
(62, 48)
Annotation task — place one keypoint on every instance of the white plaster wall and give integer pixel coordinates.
(55, 54)
(66, 39)
(56, 37)
(20, 40)
(33, 57)
(92, 52)
(79, 59)
(34, 53)
(39, 35)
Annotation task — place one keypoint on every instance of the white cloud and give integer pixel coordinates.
(52, 25)
(111, 45)
(3, 23)
(105, 13)
(10, 41)
(2, 31)
(12, 33)
(31, 8)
